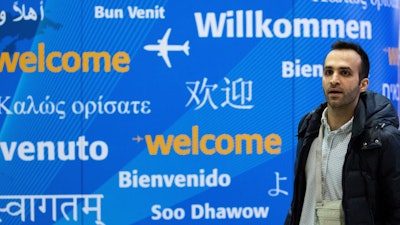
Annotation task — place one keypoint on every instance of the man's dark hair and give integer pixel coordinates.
(364, 67)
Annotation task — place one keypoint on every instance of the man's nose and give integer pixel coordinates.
(334, 79)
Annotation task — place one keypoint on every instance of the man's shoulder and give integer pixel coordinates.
(384, 135)
(312, 116)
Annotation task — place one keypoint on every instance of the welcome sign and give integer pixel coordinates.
(168, 112)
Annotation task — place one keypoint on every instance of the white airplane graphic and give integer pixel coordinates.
(163, 48)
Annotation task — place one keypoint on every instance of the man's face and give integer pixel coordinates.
(340, 81)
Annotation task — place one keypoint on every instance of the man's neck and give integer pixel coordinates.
(338, 117)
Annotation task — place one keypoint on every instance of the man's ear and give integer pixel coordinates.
(364, 84)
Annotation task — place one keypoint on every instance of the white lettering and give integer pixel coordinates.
(232, 24)
(155, 13)
(205, 211)
(167, 213)
(362, 3)
(391, 91)
(296, 69)
(135, 180)
(385, 3)
(102, 13)
(48, 150)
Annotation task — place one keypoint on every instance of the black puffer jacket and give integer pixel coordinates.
(371, 171)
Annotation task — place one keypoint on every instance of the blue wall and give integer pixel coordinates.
(168, 112)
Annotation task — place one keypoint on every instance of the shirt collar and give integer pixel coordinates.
(345, 128)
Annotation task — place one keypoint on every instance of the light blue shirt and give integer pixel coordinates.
(334, 149)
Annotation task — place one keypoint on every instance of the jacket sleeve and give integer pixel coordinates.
(288, 220)
(302, 125)
(390, 174)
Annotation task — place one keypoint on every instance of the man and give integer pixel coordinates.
(348, 154)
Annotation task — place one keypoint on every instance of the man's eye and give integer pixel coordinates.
(345, 73)
(328, 72)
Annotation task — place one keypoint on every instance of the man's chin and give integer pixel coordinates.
(334, 104)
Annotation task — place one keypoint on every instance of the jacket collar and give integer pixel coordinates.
(372, 110)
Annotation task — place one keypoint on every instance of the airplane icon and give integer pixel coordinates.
(163, 48)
